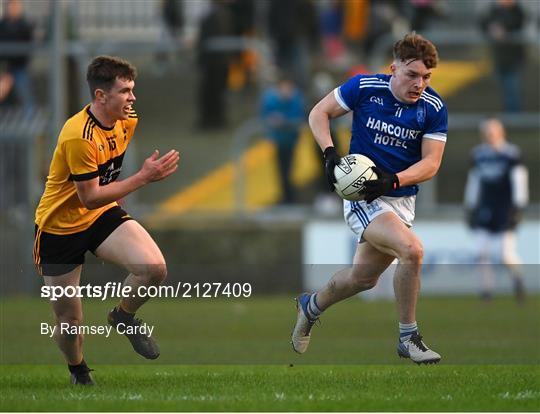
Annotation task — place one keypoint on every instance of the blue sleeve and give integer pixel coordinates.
(437, 125)
(348, 94)
(265, 105)
(300, 109)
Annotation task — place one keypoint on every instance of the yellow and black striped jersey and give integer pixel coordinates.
(85, 150)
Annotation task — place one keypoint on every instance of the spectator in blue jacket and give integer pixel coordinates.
(283, 113)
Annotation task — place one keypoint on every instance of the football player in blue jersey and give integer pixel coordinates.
(400, 123)
(495, 195)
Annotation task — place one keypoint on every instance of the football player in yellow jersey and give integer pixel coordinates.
(78, 211)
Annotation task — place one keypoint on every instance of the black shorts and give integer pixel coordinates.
(56, 255)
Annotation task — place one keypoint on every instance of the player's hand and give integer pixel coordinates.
(157, 168)
(384, 183)
(331, 159)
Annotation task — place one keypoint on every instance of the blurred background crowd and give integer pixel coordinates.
(229, 83)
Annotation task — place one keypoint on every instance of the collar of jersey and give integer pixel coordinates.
(91, 115)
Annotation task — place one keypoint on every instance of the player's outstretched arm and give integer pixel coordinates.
(427, 167)
(93, 196)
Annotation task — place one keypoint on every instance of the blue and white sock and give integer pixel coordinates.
(406, 330)
(313, 309)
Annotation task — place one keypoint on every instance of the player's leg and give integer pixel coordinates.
(368, 264)
(59, 259)
(485, 242)
(130, 246)
(513, 263)
(388, 234)
(68, 314)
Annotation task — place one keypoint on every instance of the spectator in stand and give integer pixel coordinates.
(503, 25)
(294, 30)
(243, 64)
(283, 113)
(423, 13)
(385, 16)
(331, 18)
(173, 17)
(173, 21)
(214, 67)
(15, 28)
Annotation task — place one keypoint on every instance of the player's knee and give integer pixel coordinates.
(412, 252)
(156, 273)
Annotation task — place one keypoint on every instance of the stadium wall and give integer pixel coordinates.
(288, 257)
(266, 255)
(450, 265)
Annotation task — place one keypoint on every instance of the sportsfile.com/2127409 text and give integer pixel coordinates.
(179, 290)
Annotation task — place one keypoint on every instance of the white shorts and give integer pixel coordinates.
(358, 214)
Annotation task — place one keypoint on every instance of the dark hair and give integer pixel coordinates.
(415, 47)
(103, 71)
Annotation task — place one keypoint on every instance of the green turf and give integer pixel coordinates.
(275, 388)
(235, 355)
(256, 331)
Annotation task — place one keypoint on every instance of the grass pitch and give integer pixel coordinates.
(234, 355)
(275, 388)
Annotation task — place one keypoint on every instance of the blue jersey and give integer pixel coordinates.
(388, 131)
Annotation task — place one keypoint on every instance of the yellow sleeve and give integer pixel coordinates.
(81, 158)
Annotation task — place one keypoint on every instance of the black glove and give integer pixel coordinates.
(385, 183)
(331, 159)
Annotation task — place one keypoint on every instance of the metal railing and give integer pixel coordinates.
(20, 187)
(19, 133)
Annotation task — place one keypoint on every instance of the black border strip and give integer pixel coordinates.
(97, 122)
(84, 177)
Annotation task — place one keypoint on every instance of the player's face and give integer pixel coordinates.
(409, 80)
(286, 89)
(493, 132)
(120, 98)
